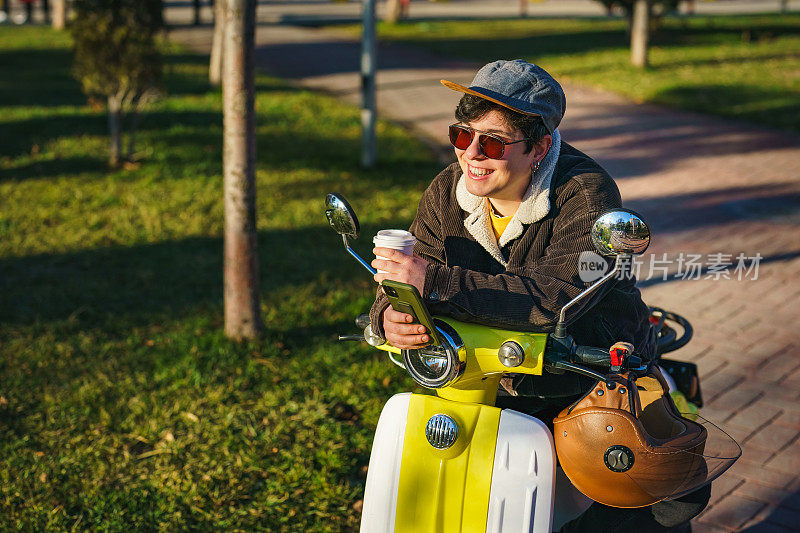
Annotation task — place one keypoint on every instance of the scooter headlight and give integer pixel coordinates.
(437, 366)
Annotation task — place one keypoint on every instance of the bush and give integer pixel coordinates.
(116, 58)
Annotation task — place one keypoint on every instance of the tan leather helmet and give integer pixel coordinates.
(626, 445)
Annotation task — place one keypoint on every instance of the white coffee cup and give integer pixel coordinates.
(397, 239)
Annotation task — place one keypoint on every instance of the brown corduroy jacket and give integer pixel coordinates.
(523, 281)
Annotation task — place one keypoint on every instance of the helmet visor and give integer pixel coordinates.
(670, 471)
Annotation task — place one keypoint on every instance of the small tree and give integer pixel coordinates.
(642, 16)
(116, 58)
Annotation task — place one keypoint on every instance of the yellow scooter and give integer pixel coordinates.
(453, 462)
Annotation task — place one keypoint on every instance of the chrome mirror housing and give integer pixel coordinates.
(341, 216)
(620, 232)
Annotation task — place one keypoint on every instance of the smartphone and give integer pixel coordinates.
(405, 298)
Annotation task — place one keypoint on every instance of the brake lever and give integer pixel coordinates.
(351, 337)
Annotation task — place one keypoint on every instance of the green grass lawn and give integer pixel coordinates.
(122, 405)
(743, 67)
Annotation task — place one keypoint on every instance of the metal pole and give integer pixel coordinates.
(368, 114)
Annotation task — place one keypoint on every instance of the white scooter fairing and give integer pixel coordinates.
(527, 494)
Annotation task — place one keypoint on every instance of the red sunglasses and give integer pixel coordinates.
(493, 147)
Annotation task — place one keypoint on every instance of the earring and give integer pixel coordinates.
(535, 167)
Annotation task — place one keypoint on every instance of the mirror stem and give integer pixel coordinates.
(561, 328)
(358, 258)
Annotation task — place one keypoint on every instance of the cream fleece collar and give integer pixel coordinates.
(535, 205)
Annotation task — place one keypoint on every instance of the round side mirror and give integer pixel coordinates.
(341, 216)
(620, 232)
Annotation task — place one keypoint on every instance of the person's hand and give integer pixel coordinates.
(400, 267)
(402, 332)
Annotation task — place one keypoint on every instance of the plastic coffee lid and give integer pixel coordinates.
(394, 235)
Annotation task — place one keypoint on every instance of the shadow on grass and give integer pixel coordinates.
(46, 76)
(543, 41)
(733, 60)
(165, 279)
(54, 167)
(38, 78)
(753, 103)
(17, 137)
(185, 142)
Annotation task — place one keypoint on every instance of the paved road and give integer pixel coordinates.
(709, 187)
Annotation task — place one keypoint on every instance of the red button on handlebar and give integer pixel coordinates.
(618, 352)
(617, 356)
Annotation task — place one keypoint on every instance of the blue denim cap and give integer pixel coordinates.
(519, 86)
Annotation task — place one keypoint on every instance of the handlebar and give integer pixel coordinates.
(562, 354)
(589, 355)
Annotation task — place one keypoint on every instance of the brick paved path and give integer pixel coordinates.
(706, 186)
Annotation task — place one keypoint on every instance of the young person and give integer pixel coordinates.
(499, 236)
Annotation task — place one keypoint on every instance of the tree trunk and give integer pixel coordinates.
(196, 4)
(242, 312)
(59, 14)
(640, 31)
(215, 66)
(523, 8)
(133, 124)
(784, 6)
(114, 130)
(392, 14)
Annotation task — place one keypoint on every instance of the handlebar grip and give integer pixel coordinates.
(589, 355)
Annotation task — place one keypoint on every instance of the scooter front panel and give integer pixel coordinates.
(383, 476)
(445, 490)
(523, 477)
